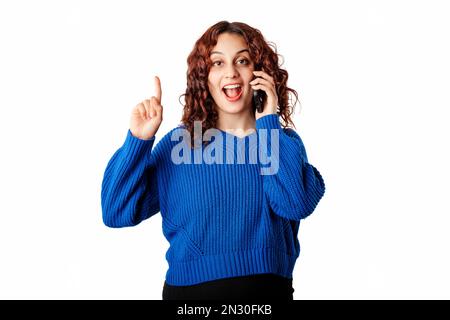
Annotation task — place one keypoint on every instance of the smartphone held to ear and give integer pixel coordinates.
(259, 96)
(258, 100)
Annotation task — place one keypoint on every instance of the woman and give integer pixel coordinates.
(231, 184)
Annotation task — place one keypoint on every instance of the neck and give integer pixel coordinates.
(237, 122)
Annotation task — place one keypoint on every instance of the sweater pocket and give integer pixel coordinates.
(182, 247)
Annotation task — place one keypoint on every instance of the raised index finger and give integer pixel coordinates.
(158, 92)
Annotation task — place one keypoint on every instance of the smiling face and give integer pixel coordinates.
(230, 74)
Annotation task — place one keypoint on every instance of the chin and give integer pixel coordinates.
(232, 108)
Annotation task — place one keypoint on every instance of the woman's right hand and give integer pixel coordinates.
(146, 117)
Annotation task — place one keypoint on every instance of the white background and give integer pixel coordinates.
(373, 79)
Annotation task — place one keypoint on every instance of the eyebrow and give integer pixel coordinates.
(218, 52)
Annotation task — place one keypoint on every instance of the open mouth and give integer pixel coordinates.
(232, 92)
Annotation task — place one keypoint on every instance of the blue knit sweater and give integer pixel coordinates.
(222, 219)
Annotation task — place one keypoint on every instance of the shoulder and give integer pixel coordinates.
(174, 134)
(293, 136)
(170, 138)
(290, 132)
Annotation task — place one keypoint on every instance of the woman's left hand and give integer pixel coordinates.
(265, 83)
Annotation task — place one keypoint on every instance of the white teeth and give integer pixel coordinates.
(232, 86)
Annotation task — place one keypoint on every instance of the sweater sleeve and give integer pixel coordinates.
(129, 192)
(293, 187)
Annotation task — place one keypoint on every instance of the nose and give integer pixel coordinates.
(231, 72)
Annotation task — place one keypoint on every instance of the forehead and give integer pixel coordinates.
(230, 43)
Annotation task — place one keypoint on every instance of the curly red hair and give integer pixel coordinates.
(198, 101)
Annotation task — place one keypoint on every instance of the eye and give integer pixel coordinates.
(216, 63)
(243, 61)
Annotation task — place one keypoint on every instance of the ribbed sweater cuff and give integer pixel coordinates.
(136, 148)
(270, 121)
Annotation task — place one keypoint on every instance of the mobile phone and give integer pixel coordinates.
(259, 96)
(258, 100)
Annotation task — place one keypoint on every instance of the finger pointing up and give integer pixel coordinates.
(158, 91)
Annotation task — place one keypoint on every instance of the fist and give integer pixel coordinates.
(146, 116)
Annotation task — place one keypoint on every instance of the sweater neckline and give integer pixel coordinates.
(237, 137)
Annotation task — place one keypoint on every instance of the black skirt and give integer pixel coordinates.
(254, 287)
